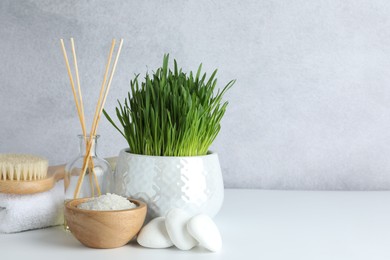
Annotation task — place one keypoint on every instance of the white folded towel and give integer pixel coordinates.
(25, 212)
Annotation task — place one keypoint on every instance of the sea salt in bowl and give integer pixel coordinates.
(104, 228)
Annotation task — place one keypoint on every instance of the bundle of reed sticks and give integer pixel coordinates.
(88, 161)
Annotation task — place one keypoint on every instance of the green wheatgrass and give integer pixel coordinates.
(171, 113)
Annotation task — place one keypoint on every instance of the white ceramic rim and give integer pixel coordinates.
(126, 151)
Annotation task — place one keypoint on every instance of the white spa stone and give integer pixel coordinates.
(176, 224)
(204, 230)
(154, 234)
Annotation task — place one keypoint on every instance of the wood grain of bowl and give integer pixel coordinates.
(104, 229)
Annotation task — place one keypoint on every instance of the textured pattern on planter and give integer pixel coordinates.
(191, 183)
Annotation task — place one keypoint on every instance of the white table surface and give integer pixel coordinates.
(255, 224)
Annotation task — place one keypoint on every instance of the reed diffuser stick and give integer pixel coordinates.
(91, 165)
(72, 83)
(98, 104)
(88, 161)
(76, 68)
(109, 85)
(99, 109)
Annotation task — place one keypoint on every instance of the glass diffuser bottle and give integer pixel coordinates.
(97, 175)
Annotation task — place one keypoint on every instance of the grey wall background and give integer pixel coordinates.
(310, 110)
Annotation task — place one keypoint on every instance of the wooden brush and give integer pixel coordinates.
(22, 167)
(27, 174)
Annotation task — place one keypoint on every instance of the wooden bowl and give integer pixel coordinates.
(104, 229)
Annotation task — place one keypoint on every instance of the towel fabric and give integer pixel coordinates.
(25, 212)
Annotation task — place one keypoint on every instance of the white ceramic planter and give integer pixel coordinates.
(192, 183)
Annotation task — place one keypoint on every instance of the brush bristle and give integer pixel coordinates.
(22, 167)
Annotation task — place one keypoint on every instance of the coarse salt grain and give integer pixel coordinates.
(107, 202)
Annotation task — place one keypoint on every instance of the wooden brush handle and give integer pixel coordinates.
(54, 174)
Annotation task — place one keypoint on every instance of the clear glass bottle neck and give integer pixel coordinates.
(84, 140)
